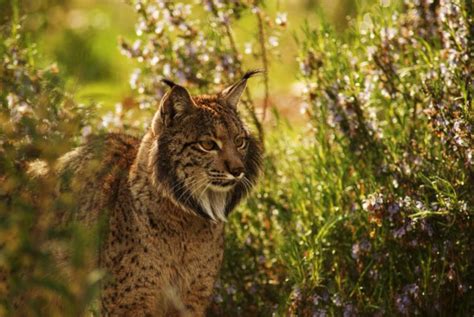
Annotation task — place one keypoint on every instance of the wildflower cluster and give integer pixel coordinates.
(337, 96)
(450, 88)
(195, 47)
(25, 95)
(400, 101)
(433, 240)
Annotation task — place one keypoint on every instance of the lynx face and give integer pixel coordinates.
(205, 158)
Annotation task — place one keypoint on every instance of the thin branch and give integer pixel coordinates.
(263, 49)
(249, 104)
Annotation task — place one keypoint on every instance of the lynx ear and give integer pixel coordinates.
(231, 95)
(174, 104)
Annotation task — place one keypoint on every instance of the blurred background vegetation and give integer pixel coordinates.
(366, 204)
(81, 37)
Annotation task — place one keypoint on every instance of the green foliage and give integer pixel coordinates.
(77, 46)
(38, 121)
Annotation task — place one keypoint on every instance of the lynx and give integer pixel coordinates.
(166, 198)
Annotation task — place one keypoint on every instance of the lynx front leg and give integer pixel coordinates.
(198, 296)
(129, 300)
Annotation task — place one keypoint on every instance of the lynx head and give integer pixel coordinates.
(205, 158)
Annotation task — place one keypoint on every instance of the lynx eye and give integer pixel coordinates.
(208, 145)
(240, 142)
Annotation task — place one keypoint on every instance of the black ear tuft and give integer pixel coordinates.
(170, 83)
(251, 73)
(231, 95)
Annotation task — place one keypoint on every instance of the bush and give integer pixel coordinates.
(369, 211)
(38, 122)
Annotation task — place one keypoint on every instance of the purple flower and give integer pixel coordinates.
(412, 289)
(403, 303)
(400, 232)
(393, 208)
(336, 299)
(349, 311)
(297, 293)
(320, 313)
(355, 251)
(315, 299)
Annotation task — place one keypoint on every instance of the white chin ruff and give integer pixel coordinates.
(214, 203)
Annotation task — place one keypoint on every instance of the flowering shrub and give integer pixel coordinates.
(38, 120)
(370, 213)
(197, 47)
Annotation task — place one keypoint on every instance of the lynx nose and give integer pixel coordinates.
(234, 165)
(237, 171)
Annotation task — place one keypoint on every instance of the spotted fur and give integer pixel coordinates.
(166, 199)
